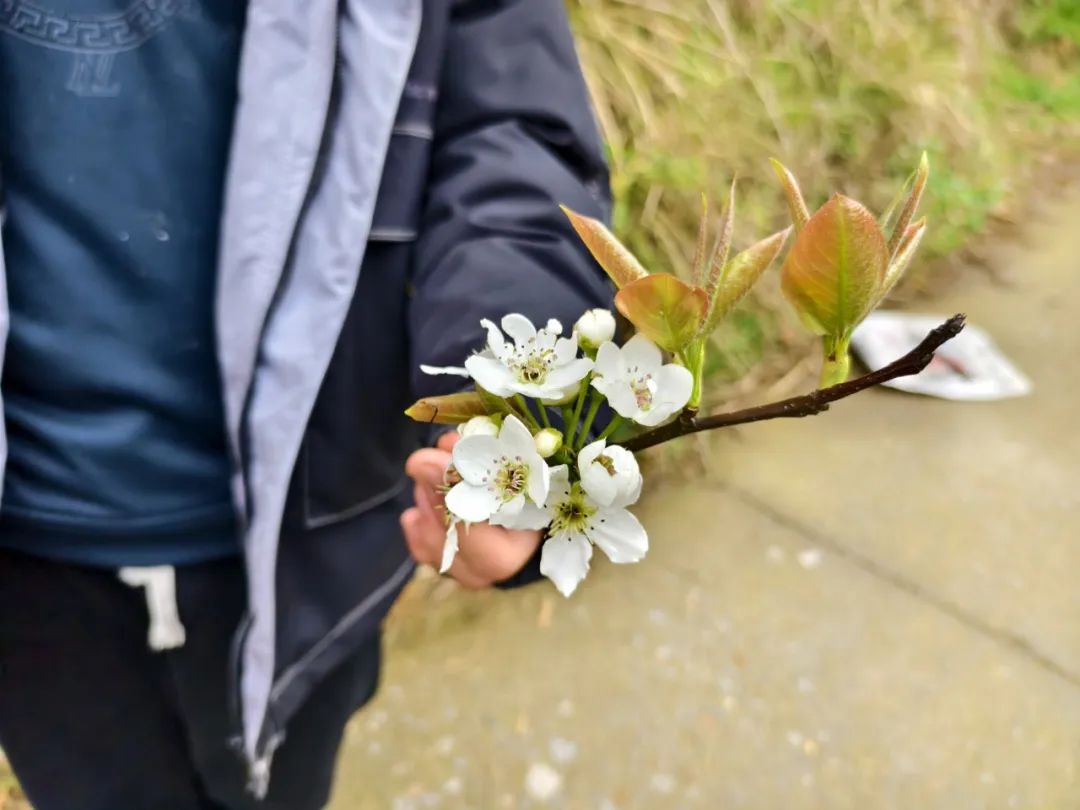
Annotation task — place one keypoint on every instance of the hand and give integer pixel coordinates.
(486, 554)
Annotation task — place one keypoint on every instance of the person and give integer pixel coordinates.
(232, 233)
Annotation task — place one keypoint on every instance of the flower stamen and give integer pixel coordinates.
(511, 478)
(572, 515)
(643, 388)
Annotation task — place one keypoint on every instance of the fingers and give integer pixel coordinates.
(427, 468)
(424, 536)
(493, 553)
(448, 440)
(486, 554)
(425, 543)
(428, 465)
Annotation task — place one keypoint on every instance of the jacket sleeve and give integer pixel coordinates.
(515, 136)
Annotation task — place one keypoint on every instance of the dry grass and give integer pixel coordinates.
(846, 92)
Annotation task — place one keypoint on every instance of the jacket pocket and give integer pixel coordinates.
(401, 194)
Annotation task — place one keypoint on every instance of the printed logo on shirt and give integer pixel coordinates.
(94, 40)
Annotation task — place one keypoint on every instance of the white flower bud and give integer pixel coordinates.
(548, 442)
(596, 326)
(479, 426)
(609, 475)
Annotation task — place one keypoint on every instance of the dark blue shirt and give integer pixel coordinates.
(115, 118)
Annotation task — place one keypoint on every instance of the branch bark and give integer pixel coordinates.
(809, 404)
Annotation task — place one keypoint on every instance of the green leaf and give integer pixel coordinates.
(664, 308)
(616, 259)
(889, 216)
(904, 254)
(800, 214)
(836, 268)
(450, 409)
(723, 245)
(740, 274)
(911, 204)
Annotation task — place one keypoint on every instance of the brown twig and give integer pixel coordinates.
(810, 404)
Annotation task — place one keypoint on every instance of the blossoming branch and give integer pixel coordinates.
(550, 428)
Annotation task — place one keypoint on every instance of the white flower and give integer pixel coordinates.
(537, 364)
(609, 475)
(453, 371)
(500, 475)
(548, 442)
(479, 426)
(577, 523)
(638, 385)
(595, 327)
(450, 545)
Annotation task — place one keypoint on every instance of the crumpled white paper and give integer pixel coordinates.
(968, 368)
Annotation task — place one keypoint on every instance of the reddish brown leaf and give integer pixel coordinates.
(616, 259)
(800, 214)
(740, 275)
(723, 244)
(836, 268)
(665, 309)
(911, 204)
(904, 254)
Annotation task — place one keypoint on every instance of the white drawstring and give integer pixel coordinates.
(159, 582)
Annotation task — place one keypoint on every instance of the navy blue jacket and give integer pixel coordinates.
(493, 131)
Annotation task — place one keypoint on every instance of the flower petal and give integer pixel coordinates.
(590, 453)
(558, 485)
(536, 391)
(472, 504)
(619, 535)
(656, 415)
(620, 396)
(518, 327)
(565, 561)
(515, 439)
(641, 353)
(512, 508)
(566, 350)
(449, 549)
(568, 375)
(495, 340)
(491, 375)
(539, 480)
(674, 384)
(628, 474)
(609, 361)
(456, 371)
(531, 517)
(474, 458)
(546, 341)
(598, 483)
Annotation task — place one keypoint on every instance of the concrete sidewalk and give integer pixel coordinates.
(872, 609)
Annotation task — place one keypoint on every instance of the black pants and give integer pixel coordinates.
(92, 719)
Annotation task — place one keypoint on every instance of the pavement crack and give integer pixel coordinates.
(1014, 641)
